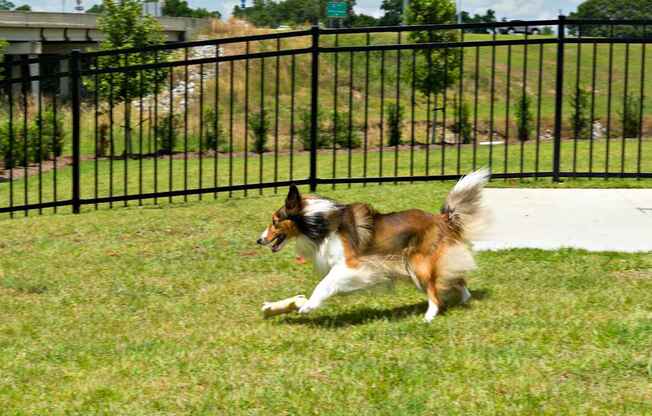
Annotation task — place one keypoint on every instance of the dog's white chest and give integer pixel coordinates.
(325, 255)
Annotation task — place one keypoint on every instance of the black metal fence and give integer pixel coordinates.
(551, 99)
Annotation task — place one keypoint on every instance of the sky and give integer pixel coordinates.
(511, 9)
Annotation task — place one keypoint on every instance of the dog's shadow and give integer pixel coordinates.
(364, 315)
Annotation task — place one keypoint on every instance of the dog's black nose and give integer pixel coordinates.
(260, 241)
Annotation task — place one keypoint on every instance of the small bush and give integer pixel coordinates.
(213, 138)
(304, 130)
(12, 149)
(340, 128)
(166, 135)
(524, 118)
(259, 127)
(629, 117)
(395, 123)
(44, 139)
(463, 125)
(581, 114)
(224, 148)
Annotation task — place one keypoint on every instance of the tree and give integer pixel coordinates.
(126, 27)
(97, 9)
(24, 8)
(269, 13)
(176, 8)
(363, 20)
(488, 17)
(180, 8)
(463, 126)
(524, 118)
(580, 113)
(259, 127)
(612, 10)
(395, 123)
(438, 67)
(630, 116)
(393, 13)
(6, 5)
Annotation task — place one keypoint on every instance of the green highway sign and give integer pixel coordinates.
(337, 9)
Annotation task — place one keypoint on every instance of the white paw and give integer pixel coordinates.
(428, 318)
(431, 313)
(308, 307)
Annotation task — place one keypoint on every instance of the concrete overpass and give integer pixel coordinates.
(44, 33)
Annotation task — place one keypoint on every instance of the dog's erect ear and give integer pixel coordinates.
(293, 200)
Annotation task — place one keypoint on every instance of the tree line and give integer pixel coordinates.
(6, 5)
(270, 13)
(171, 8)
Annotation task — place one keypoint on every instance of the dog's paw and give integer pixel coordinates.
(267, 309)
(431, 313)
(308, 307)
(427, 319)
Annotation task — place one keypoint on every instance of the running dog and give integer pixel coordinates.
(353, 247)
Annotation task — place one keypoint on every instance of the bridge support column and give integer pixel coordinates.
(64, 82)
(34, 71)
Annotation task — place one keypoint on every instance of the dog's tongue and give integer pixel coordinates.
(277, 244)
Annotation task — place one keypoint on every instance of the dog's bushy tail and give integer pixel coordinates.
(464, 207)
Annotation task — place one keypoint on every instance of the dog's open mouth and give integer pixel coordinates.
(279, 242)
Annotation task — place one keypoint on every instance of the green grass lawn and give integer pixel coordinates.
(144, 311)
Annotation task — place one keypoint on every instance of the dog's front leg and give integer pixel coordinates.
(339, 279)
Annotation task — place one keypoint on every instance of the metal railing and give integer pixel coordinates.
(325, 106)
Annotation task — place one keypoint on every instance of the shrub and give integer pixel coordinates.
(259, 126)
(213, 138)
(304, 130)
(166, 135)
(52, 132)
(395, 123)
(339, 127)
(524, 118)
(580, 116)
(630, 116)
(12, 149)
(44, 138)
(463, 126)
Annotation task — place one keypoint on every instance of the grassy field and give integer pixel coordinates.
(156, 311)
(156, 173)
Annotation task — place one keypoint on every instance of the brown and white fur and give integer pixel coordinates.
(355, 247)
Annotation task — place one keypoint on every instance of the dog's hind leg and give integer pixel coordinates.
(340, 279)
(434, 303)
(422, 267)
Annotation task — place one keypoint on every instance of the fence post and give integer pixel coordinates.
(559, 97)
(75, 85)
(314, 109)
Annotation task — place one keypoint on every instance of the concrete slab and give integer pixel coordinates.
(591, 219)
